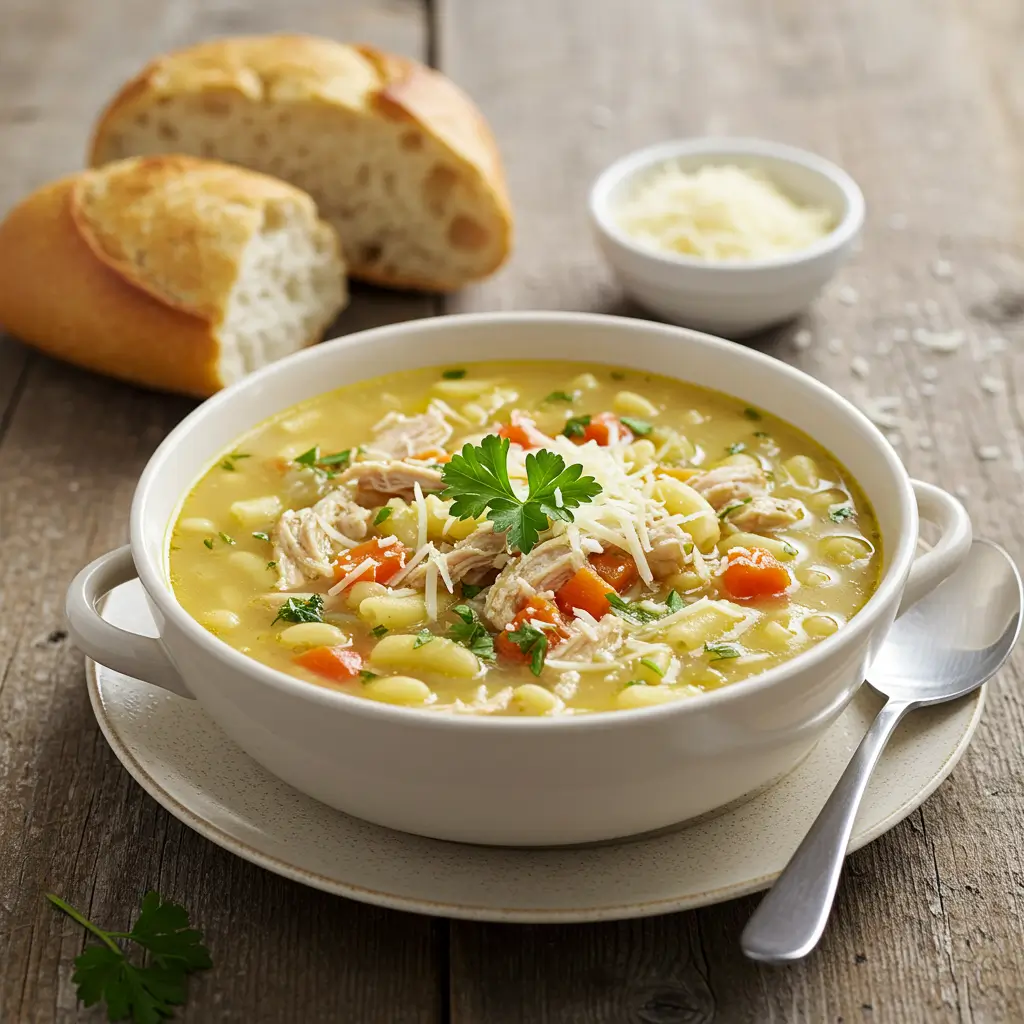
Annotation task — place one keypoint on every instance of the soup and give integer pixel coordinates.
(512, 538)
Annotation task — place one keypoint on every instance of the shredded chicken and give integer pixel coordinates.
(305, 541)
(546, 567)
(671, 548)
(583, 645)
(403, 436)
(727, 485)
(378, 481)
(765, 513)
(483, 549)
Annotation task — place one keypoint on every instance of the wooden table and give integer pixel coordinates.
(924, 103)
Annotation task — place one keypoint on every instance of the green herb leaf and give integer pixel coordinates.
(674, 602)
(325, 465)
(309, 458)
(531, 641)
(423, 637)
(477, 479)
(382, 515)
(639, 427)
(618, 375)
(732, 508)
(735, 449)
(633, 611)
(719, 652)
(261, 536)
(271, 565)
(653, 666)
(229, 461)
(379, 631)
(144, 994)
(471, 633)
(561, 396)
(339, 460)
(227, 540)
(470, 590)
(453, 374)
(576, 426)
(366, 675)
(837, 515)
(789, 548)
(763, 434)
(751, 414)
(295, 609)
(208, 541)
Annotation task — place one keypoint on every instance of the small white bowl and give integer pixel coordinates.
(739, 297)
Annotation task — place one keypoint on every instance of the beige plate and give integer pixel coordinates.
(186, 764)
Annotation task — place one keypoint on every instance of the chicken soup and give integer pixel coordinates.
(537, 538)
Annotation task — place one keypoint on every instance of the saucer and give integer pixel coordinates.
(192, 769)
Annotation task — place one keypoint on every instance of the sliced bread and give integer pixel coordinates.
(171, 272)
(396, 157)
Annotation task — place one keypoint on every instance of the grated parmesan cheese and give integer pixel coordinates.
(719, 213)
(421, 514)
(350, 577)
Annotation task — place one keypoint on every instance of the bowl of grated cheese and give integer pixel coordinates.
(725, 235)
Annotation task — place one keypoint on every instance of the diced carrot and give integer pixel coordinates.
(389, 560)
(605, 428)
(678, 472)
(433, 455)
(586, 590)
(753, 573)
(522, 431)
(338, 663)
(537, 609)
(616, 568)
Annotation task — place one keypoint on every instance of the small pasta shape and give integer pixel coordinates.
(220, 620)
(532, 699)
(703, 623)
(438, 514)
(822, 501)
(439, 654)
(639, 454)
(312, 634)
(819, 625)
(814, 576)
(684, 582)
(197, 524)
(359, 592)
(737, 459)
(781, 549)
(629, 403)
(673, 447)
(256, 511)
(641, 696)
(651, 668)
(681, 499)
(770, 636)
(393, 612)
(844, 550)
(402, 523)
(404, 690)
(462, 389)
(803, 471)
(583, 382)
(252, 564)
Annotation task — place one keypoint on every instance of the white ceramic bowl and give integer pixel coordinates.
(730, 298)
(516, 780)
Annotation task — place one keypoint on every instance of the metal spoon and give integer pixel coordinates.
(945, 646)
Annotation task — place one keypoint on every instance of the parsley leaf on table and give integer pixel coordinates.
(472, 633)
(477, 479)
(295, 609)
(143, 994)
(531, 641)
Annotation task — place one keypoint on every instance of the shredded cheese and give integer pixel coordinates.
(421, 514)
(349, 578)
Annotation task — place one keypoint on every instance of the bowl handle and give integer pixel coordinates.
(931, 568)
(141, 657)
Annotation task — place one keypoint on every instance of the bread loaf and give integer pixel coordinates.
(396, 157)
(171, 272)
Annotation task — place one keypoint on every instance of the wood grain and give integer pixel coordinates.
(923, 102)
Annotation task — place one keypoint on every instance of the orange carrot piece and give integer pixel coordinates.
(389, 559)
(616, 568)
(605, 428)
(522, 431)
(753, 573)
(586, 590)
(537, 609)
(337, 663)
(432, 455)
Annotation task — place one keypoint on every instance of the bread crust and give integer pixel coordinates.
(357, 78)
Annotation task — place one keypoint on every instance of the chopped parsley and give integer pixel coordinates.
(735, 449)
(453, 374)
(674, 602)
(260, 535)
(789, 549)
(271, 565)
(379, 631)
(532, 642)
(763, 434)
(227, 540)
(208, 541)
(751, 414)
(732, 508)
(325, 464)
(639, 427)
(423, 637)
(562, 396)
(634, 682)
(633, 611)
(383, 514)
(471, 633)
(339, 459)
(837, 515)
(653, 666)
(719, 652)
(477, 479)
(228, 462)
(297, 609)
(576, 426)
(470, 590)
(366, 675)
(618, 375)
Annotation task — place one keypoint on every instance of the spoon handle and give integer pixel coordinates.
(790, 920)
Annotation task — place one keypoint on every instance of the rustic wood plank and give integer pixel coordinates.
(71, 447)
(923, 103)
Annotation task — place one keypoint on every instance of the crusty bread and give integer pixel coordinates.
(396, 157)
(171, 272)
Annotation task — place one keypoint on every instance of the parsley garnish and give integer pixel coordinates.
(271, 565)
(229, 461)
(383, 514)
(340, 459)
(379, 631)
(295, 609)
(732, 508)
(653, 666)
(837, 515)
(763, 434)
(618, 375)
(633, 611)
(366, 675)
(477, 479)
(423, 637)
(325, 464)
(639, 427)
(227, 540)
(735, 449)
(719, 652)
(561, 396)
(470, 590)
(261, 536)
(751, 414)
(453, 374)
(575, 426)
(674, 602)
(145, 994)
(208, 541)
(471, 633)
(531, 641)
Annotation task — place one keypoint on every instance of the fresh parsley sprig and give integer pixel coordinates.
(297, 609)
(532, 642)
(639, 427)
(476, 479)
(325, 465)
(472, 633)
(144, 994)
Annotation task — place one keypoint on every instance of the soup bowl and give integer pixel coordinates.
(510, 780)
